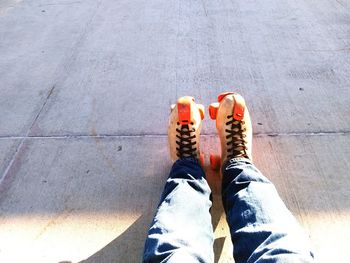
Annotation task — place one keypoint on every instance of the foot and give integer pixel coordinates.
(234, 127)
(185, 124)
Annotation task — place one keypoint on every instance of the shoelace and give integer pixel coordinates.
(237, 142)
(185, 144)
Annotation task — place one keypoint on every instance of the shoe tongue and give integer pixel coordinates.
(184, 110)
(223, 95)
(185, 127)
(238, 108)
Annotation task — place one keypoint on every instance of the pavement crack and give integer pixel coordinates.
(41, 109)
(23, 138)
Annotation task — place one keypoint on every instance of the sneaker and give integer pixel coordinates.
(234, 128)
(185, 124)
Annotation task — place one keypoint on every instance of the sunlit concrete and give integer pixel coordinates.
(63, 237)
(74, 237)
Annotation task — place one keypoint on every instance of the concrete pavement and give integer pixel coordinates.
(85, 90)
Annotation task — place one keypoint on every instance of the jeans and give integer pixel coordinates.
(262, 228)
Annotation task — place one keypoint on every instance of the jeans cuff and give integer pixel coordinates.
(189, 164)
(236, 160)
(189, 159)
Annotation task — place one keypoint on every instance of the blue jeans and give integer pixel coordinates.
(262, 228)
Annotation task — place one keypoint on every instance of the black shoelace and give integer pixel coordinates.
(185, 144)
(236, 139)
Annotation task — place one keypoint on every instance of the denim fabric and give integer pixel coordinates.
(262, 228)
(181, 230)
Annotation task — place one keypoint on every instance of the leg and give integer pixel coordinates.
(262, 228)
(181, 230)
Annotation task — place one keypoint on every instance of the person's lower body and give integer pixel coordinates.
(262, 228)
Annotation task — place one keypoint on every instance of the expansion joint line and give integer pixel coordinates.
(160, 135)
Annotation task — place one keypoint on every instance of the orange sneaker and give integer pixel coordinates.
(184, 129)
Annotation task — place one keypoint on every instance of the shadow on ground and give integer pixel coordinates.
(132, 239)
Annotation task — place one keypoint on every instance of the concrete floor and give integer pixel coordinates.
(85, 90)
